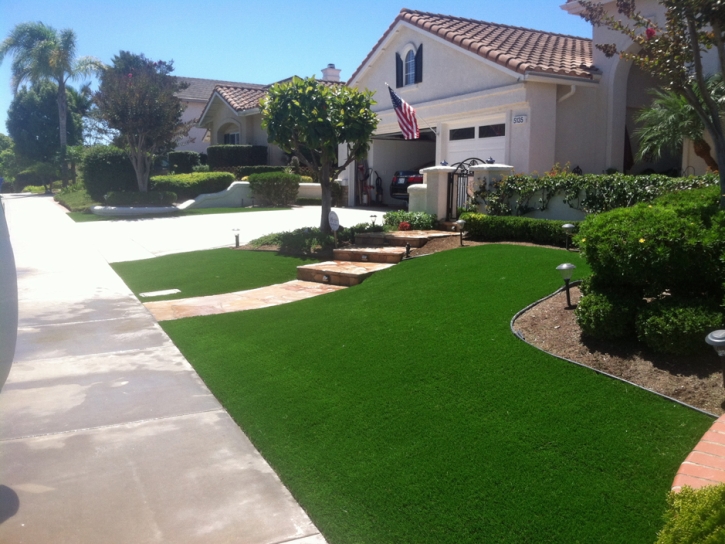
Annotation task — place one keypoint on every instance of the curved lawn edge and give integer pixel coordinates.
(523, 339)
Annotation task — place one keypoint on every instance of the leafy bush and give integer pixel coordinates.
(141, 200)
(589, 193)
(650, 249)
(305, 240)
(678, 326)
(188, 186)
(107, 168)
(491, 228)
(275, 188)
(694, 516)
(607, 316)
(242, 172)
(236, 155)
(7, 187)
(417, 220)
(183, 162)
(76, 198)
(200, 168)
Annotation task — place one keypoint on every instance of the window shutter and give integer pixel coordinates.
(398, 71)
(419, 64)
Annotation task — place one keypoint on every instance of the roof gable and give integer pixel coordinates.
(518, 49)
(201, 89)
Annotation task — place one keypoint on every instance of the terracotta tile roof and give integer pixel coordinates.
(201, 89)
(519, 49)
(241, 98)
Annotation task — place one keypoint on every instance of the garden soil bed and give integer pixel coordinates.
(696, 380)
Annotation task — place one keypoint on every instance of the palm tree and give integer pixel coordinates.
(41, 53)
(670, 119)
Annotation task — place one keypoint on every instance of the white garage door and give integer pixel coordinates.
(480, 140)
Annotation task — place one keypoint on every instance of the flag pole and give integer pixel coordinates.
(435, 130)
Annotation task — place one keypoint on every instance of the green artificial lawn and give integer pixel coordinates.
(405, 411)
(82, 217)
(209, 272)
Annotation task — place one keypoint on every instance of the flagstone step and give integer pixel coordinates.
(370, 254)
(416, 238)
(339, 272)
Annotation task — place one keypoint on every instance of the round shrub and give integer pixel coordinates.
(653, 249)
(188, 186)
(607, 316)
(676, 326)
(275, 188)
(107, 168)
(694, 516)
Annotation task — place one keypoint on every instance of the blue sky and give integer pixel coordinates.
(249, 40)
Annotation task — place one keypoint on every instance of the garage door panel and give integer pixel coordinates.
(481, 148)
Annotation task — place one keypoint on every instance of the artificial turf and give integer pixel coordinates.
(405, 410)
(208, 272)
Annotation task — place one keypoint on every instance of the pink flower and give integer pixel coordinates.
(650, 33)
(130, 75)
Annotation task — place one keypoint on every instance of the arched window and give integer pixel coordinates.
(409, 68)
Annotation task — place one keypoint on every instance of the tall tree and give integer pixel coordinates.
(674, 52)
(310, 120)
(41, 53)
(137, 98)
(33, 123)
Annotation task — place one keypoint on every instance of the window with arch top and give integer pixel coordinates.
(409, 69)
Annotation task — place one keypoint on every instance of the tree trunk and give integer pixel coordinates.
(326, 198)
(62, 123)
(703, 150)
(141, 162)
(720, 150)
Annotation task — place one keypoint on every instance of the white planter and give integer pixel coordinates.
(8, 300)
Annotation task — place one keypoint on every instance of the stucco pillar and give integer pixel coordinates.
(417, 197)
(8, 300)
(436, 180)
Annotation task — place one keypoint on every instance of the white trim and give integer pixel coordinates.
(215, 95)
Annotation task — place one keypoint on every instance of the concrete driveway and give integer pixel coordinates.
(107, 434)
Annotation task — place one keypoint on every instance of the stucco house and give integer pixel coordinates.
(523, 97)
(232, 114)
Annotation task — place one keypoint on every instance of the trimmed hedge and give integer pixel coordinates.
(490, 228)
(241, 172)
(236, 155)
(694, 516)
(188, 186)
(275, 188)
(183, 162)
(608, 316)
(141, 200)
(107, 168)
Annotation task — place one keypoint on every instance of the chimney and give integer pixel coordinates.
(330, 73)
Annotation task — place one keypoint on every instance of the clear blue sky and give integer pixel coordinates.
(250, 40)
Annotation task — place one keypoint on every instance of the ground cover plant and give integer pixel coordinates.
(404, 410)
(209, 272)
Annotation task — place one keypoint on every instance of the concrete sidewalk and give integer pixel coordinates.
(106, 432)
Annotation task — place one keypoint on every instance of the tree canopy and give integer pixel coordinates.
(137, 98)
(311, 119)
(674, 52)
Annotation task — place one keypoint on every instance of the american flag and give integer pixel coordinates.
(406, 116)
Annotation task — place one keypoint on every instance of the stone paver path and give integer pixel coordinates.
(263, 297)
(706, 463)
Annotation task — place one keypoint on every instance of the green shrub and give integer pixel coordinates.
(417, 220)
(696, 204)
(142, 200)
(107, 168)
(275, 188)
(489, 228)
(7, 187)
(236, 155)
(188, 186)
(183, 162)
(607, 316)
(242, 172)
(694, 516)
(76, 198)
(677, 326)
(651, 249)
(200, 168)
(305, 240)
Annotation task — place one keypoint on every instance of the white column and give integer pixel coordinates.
(436, 181)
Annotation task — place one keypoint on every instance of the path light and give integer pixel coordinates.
(373, 217)
(461, 223)
(236, 237)
(717, 340)
(407, 250)
(568, 229)
(566, 270)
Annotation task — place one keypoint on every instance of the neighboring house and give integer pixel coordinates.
(232, 114)
(195, 98)
(523, 97)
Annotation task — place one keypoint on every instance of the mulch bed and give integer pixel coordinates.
(696, 380)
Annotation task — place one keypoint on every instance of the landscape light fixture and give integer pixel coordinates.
(407, 250)
(461, 224)
(717, 340)
(373, 217)
(566, 270)
(236, 237)
(568, 229)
